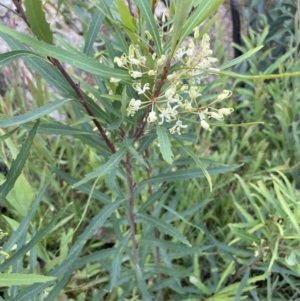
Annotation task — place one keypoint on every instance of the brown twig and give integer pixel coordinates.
(82, 100)
(20, 11)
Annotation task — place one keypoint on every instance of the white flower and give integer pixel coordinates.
(114, 80)
(134, 61)
(202, 114)
(205, 125)
(180, 53)
(174, 99)
(161, 60)
(225, 111)
(216, 115)
(172, 76)
(137, 87)
(118, 61)
(184, 88)
(134, 106)
(151, 72)
(152, 117)
(168, 114)
(135, 74)
(194, 92)
(187, 106)
(191, 48)
(224, 94)
(177, 127)
(170, 92)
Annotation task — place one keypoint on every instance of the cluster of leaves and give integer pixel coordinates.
(186, 243)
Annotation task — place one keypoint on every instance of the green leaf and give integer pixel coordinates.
(96, 223)
(240, 58)
(116, 265)
(33, 114)
(8, 57)
(36, 18)
(128, 143)
(43, 68)
(56, 128)
(5, 136)
(128, 21)
(146, 12)
(164, 142)
(97, 195)
(112, 163)
(196, 159)
(22, 279)
(204, 10)
(182, 175)
(16, 195)
(78, 60)
(18, 164)
(13, 239)
(164, 227)
(182, 9)
(34, 240)
(93, 31)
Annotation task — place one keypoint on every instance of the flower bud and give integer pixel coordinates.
(205, 125)
(225, 111)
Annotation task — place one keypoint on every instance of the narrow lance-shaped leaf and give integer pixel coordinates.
(182, 8)
(18, 164)
(197, 160)
(93, 31)
(22, 279)
(203, 10)
(164, 227)
(78, 60)
(182, 175)
(37, 20)
(33, 114)
(146, 12)
(129, 146)
(164, 142)
(8, 57)
(43, 68)
(5, 136)
(34, 240)
(128, 21)
(25, 221)
(116, 265)
(112, 163)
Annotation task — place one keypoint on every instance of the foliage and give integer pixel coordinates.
(115, 203)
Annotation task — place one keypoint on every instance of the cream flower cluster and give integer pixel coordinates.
(180, 92)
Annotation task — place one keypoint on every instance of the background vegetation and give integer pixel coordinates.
(244, 234)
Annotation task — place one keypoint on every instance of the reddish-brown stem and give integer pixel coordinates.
(82, 100)
(128, 167)
(20, 11)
